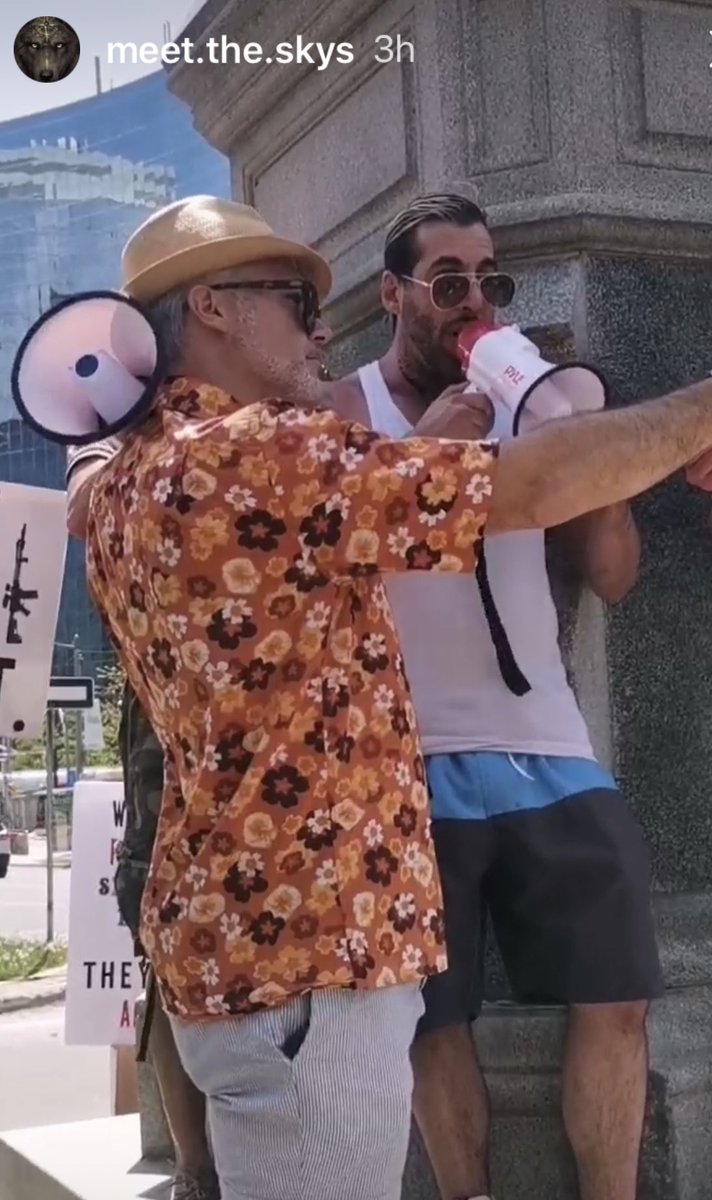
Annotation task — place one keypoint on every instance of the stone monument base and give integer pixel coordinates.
(521, 1052)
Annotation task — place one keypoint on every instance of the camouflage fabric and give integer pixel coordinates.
(142, 760)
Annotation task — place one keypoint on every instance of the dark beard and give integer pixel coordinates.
(424, 364)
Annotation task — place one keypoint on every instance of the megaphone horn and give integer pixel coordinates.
(508, 367)
(88, 368)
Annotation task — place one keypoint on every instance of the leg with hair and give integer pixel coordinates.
(450, 1099)
(185, 1110)
(574, 918)
(451, 1106)
(604, 1091)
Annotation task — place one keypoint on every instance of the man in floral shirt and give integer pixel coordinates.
(142, 760)
(236, 545)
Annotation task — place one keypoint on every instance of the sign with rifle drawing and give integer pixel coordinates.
(33, 546)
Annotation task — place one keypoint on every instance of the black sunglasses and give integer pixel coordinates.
(454, 287)
(302, 292)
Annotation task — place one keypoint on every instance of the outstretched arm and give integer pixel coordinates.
(334, 498)
(557, 474)
(567, 468)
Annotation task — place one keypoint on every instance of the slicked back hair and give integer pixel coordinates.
(401, 250)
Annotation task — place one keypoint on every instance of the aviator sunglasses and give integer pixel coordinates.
(453, 288)
(303, 293)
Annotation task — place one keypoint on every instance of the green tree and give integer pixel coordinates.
(29, 755)
(110, 689)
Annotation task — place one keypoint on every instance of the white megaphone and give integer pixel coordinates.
(504, 365)
(88, 368)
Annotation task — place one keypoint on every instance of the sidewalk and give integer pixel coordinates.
(48, 988)
(37, 856)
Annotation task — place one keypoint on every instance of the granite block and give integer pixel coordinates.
(352, 350)
(521, 1053)
(648, 327)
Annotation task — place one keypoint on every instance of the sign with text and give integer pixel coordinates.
(33, 546)
(104, 979)
(70, 691)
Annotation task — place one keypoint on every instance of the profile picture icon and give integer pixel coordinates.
(47, 49)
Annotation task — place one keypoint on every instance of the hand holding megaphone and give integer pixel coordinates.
(506, 366)
(459, 413)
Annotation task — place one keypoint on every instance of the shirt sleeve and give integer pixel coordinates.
(102, 451)
(412, 504)
(360, 503)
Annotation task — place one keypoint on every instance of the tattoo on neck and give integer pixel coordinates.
(424, 383)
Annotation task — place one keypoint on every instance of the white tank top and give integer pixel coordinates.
(460, 698)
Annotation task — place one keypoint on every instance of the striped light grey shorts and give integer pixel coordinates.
(312, 1100)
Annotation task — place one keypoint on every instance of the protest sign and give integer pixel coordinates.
(104, 978)
(33, 543)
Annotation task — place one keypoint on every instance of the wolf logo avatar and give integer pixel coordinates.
(47, 49)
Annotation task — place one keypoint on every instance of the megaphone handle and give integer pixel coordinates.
(511, 674)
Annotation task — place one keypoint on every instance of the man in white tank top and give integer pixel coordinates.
(527, 825)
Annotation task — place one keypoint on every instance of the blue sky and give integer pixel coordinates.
(96, 23)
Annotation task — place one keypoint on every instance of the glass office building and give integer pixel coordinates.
(74, 184)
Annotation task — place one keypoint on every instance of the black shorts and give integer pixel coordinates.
(565, 879)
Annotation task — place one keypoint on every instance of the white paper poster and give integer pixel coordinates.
(104, 979)
(33, 546)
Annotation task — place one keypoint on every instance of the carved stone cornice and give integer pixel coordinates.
(535, 237)
(228, 100)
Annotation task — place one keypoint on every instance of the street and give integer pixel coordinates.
(45, 1082)
(35, 1066)
(23, 901)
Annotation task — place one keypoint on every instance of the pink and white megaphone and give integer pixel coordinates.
(88, 368)
(504, 365)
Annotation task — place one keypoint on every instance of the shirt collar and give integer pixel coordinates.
(200, 400)
(195, 398)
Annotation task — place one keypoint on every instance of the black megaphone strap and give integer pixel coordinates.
(511, 674)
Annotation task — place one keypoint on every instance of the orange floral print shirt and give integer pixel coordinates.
(235, 554)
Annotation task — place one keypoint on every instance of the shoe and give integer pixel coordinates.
(192, 1187)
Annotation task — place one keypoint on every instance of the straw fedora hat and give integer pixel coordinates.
(192, 237)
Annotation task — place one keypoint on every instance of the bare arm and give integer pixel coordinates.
(604, 549)
(566, 468)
